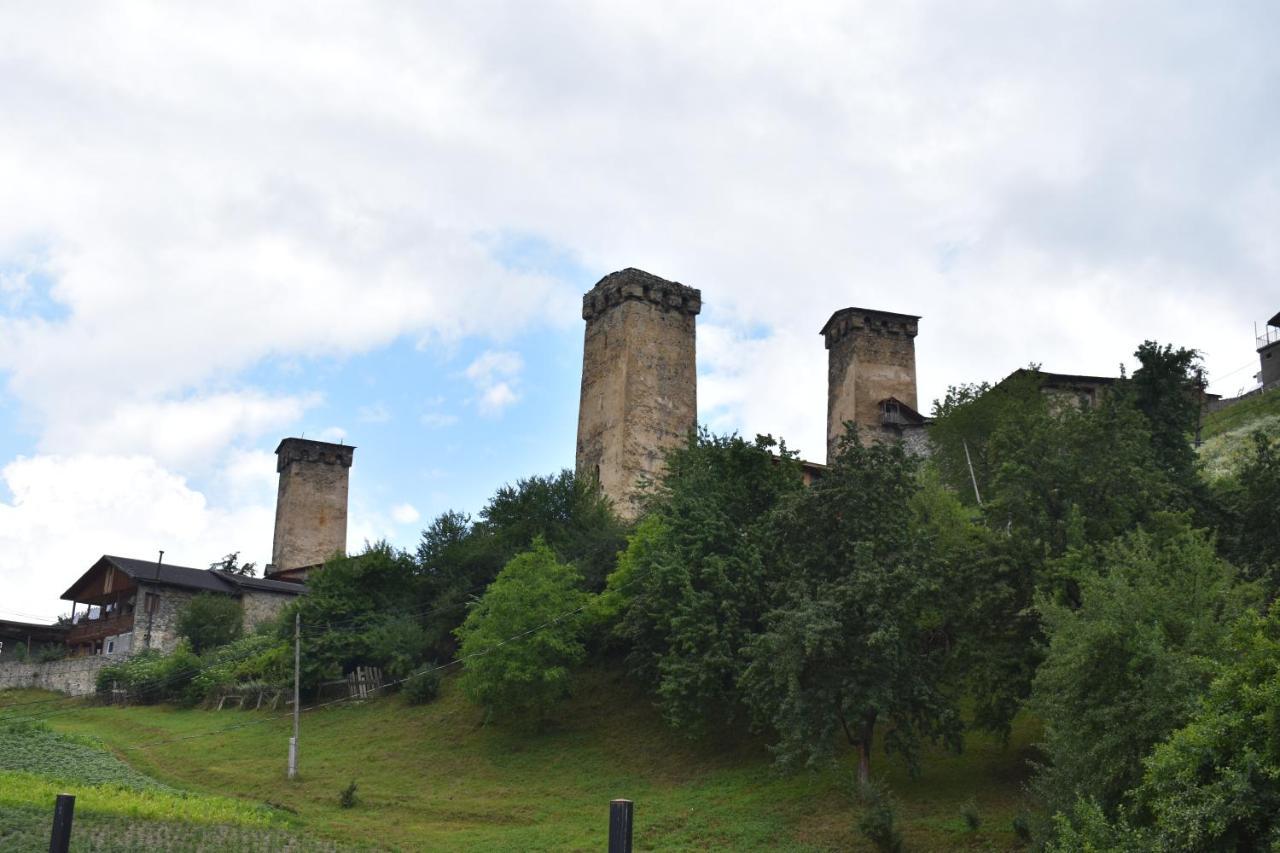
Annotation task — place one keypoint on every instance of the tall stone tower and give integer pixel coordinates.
(871, 374)
(639, 379)
(311, 506)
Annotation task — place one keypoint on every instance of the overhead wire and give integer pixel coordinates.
(456, 661)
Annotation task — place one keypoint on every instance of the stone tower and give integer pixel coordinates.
(311, 506)
(871, 374)
(639, 379)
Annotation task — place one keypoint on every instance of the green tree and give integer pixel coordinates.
(520, 640)
(965, 419)
(1128, 665)
(459, 556)
(210, 620)
(456, 559)
(232, 565)
(1168, 390)
(696, 574)
(851, 640)
(1251, 534)
(350, 606)
(572, 516)
(1215, 783)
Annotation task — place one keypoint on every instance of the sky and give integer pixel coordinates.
(224, 224)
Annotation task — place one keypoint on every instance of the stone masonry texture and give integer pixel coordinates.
(639, 380)
(74, 676)
(311, 505)
(871, 355)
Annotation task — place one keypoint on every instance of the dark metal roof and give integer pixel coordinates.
(1274, 321)
(35, 630)
(1047, 378)
(265, 584)
(164, 574)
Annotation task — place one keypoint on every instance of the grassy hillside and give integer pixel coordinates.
(1228, 434)
(117, 807)
(432, 777)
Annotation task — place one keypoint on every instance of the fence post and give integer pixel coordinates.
(620, 815)
(63, 811)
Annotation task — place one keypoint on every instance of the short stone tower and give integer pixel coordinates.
(639, 379)
(311, 506)
(871, 374)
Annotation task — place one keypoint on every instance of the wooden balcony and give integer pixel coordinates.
(92, 630)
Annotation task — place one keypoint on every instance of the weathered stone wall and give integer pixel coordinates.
(262, 606)
(871, 355)
(311, 504)
(162, 626)
(76, 676)
(1269, 362)
(639, 379)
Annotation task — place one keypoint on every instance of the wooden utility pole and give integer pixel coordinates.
(297, 704)
(972, 476)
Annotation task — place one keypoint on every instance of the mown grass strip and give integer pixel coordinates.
(21, 789)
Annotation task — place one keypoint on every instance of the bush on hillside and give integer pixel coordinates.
(422, 687)
(1129, 665)
(150, 677)
(210, 620)
(535, 601)
(259, 659)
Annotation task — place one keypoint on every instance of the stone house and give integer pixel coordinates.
(130, 605)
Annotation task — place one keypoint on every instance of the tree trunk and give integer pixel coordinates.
(864, 748)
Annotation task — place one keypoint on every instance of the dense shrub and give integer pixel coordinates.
(422, 687)
(210, 620)
(879, 820)
(150, 677)
(1130, 664)
(534, 599)
(259, 659)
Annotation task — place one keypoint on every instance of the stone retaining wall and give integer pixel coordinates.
(74, 676)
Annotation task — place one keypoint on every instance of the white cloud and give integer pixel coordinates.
(189, 192)
(377, 413)
(66, 511)
(495, 374)
(186, 433)
(404, 514)
(333, 434)
(437, 420)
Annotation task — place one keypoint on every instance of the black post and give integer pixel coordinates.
(620, 814)
(63, 811)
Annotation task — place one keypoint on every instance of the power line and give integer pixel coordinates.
(178, 676)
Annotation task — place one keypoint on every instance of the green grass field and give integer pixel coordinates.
(433, 778)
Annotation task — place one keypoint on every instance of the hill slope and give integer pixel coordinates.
(1228, 434)
(432, 777)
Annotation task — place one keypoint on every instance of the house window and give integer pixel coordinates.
(111, 646)
(152, 603)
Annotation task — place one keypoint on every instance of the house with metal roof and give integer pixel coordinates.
(123, 605)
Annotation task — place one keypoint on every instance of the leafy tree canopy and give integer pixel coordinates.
(1128, 665)
(851, 639)
(519, 641)
(696, 573)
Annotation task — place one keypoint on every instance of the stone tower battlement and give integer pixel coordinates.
(871, 372)
(638, 285)
(311, 505)
(639, 380)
